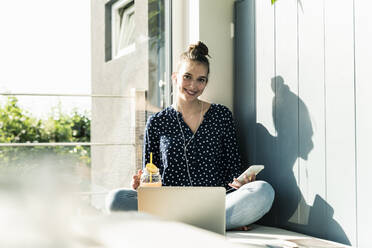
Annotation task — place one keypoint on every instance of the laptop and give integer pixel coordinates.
(203, 207)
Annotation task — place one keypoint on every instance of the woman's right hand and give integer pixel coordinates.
(247, 179)
(136, 180)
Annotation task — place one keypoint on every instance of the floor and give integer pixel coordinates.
(269, 237)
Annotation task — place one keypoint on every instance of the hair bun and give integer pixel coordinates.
(196, 52)
(198, 49)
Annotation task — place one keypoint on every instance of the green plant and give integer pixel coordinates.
(19, 126)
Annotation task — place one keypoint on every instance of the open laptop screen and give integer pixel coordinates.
(203, 207)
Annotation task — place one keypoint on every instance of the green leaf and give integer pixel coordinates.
(273, 1)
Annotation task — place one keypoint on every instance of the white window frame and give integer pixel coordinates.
(116, 30)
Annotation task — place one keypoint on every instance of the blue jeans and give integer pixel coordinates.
(243, 206)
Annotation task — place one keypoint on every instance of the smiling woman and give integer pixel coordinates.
(193, 143)
(190, 82)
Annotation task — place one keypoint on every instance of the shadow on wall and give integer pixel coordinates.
(279, 155)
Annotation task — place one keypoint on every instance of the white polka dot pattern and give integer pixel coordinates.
(213, 155)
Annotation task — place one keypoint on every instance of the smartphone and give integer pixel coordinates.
(253, 169)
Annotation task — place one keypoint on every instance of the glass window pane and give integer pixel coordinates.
(71, 162)
(43, 51)
(157, 78)
(127, 28)
(44, 119)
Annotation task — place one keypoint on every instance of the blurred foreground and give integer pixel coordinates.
(43, 209)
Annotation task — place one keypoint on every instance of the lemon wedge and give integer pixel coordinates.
(152, 168)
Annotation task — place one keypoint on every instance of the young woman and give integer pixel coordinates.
(193, 143)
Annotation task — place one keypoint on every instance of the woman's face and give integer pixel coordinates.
(191, 79)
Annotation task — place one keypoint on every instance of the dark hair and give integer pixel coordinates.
(198, 53)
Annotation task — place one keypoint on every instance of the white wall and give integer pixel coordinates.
(320, 51)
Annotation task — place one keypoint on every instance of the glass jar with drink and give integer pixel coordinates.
(151, 175)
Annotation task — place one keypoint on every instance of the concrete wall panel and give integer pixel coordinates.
(113, 118)
(363, 57)
(321, 132)
(265, 146)
(312, 166)
(286, 110)
(340, 118)
(245, 90)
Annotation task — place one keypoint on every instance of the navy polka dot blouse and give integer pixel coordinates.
(212, 155)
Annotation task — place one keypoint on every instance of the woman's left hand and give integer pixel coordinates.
(236, 184)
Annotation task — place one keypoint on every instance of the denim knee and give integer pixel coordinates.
(265, 190)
